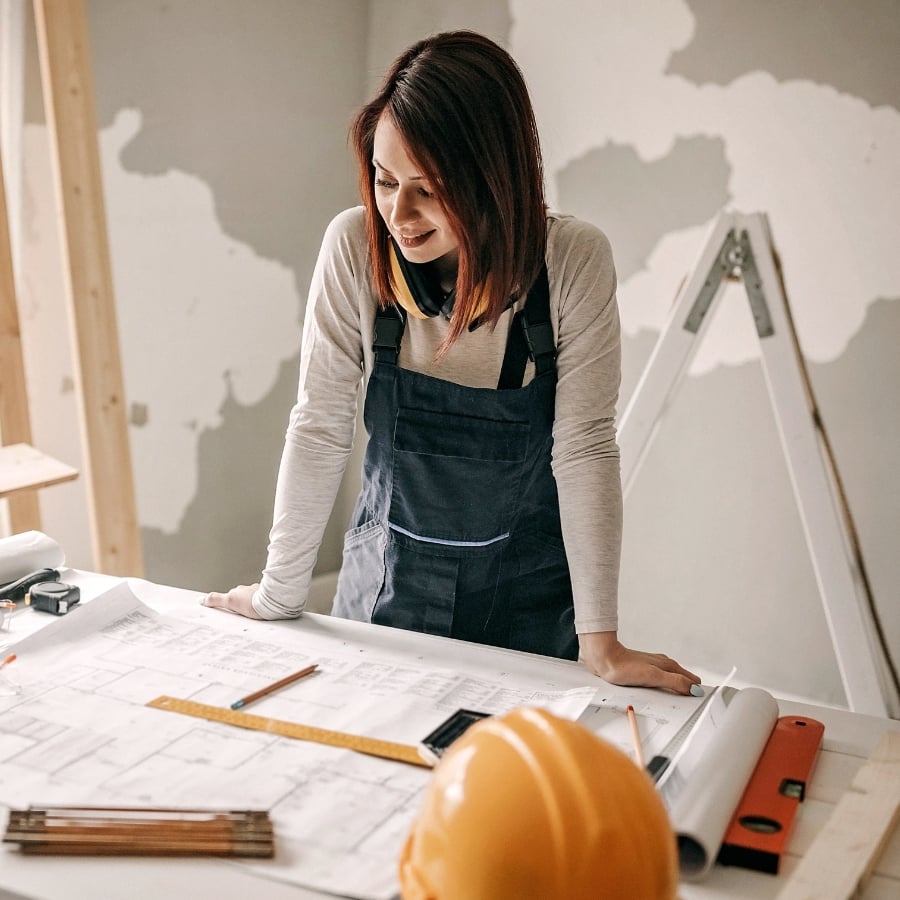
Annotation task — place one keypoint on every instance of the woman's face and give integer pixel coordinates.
(407, 203)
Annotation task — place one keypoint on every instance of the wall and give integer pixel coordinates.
(222, 137)
(222, 127)
(655, 116)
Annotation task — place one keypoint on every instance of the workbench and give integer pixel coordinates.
(849, 739)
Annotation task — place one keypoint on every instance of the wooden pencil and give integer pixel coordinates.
(635, 736)
(284, 682)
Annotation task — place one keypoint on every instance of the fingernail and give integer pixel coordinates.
(696, 690)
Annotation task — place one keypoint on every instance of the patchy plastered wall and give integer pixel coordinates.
(223, 137)
(655, 116)
(222, 133)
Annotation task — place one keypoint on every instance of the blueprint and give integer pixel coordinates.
(75, 728)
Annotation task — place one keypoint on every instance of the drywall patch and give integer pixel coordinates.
(853, 47)
(637, 202)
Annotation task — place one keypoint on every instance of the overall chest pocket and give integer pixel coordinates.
(456, 478)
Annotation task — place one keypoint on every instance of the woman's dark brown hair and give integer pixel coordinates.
(461, 105)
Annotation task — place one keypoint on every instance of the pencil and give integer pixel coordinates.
(635, 736)
(262, 692)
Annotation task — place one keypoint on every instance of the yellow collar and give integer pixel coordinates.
(404, 296)
(402, 293)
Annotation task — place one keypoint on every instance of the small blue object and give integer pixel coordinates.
(237, 704)
(696, 690)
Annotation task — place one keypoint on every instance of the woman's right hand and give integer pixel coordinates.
(237, 600)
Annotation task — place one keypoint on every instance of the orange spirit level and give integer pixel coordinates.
(761, 825)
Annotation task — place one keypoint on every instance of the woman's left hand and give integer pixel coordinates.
(604, 655)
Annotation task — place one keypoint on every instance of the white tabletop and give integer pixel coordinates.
(849, 738)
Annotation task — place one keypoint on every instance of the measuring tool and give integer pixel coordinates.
(53, 597)
(42, 590)
(658, 765)
(145, 831)
(372, 746)
(435, 744)
(758, 833)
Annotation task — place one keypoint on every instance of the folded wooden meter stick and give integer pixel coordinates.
(140, 831)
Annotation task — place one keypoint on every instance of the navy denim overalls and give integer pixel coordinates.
(456, 530)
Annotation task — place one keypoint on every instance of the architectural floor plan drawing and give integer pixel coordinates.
(77, 729)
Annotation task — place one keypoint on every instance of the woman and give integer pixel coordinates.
(486, 332)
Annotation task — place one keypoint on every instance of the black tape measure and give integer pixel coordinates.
(53, 597)
(44, 591)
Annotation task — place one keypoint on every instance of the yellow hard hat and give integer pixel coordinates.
(529, 805)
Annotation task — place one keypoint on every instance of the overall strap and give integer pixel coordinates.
(389, 325)
(530, 337)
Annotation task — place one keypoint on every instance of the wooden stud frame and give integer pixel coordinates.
(68, 89)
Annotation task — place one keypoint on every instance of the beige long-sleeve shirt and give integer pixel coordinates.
(336, 359)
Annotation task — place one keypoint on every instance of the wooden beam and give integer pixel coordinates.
(68, 89)
(15, 425)
(24, 469)
(845, 852)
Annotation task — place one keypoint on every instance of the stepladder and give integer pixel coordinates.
(740, 246)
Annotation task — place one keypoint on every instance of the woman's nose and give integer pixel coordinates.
(404, 208)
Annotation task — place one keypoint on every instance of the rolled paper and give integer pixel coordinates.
(706, 802)
(22, 554)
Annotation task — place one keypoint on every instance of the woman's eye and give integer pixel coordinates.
(387, 185)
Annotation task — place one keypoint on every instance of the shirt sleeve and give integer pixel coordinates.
(322, 423)
(585, 452)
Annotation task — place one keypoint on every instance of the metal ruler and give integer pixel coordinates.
(680, 736)
(660, 763)
(372, 746)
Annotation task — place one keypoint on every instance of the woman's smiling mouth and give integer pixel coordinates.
(414, 240)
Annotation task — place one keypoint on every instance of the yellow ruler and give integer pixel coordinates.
(372, 746)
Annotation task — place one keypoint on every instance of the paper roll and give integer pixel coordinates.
(711, 793)
(22, 554)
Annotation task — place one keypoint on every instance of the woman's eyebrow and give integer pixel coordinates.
(378, 165)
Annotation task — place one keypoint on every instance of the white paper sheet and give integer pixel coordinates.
(80, 732)
(659, 717)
